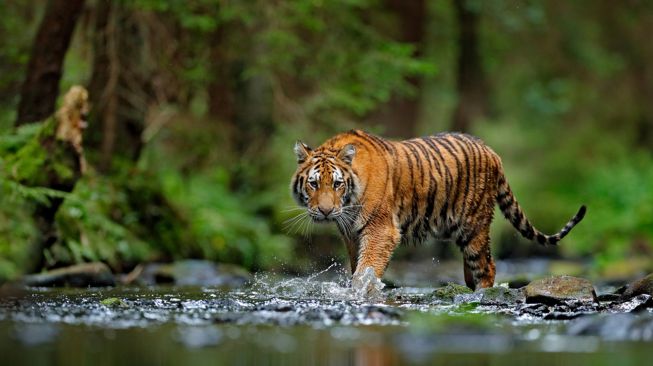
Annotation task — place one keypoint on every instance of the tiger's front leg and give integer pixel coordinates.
(376, 243)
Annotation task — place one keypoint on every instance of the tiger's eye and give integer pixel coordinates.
(337, 184)
(313, 184)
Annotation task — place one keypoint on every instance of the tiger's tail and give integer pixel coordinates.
(514, 213)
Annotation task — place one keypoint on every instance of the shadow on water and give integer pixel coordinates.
(311, 320)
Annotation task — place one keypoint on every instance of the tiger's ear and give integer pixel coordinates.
(302, 151)
(347, 153)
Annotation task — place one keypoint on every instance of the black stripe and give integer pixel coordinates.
(369, 140)
(299, 184)
(416, 197)
(373, 140)
(432, 151)
(450, 148)
(467, 174)
(409, 163)
(472, 257)
(385, 143)
(506, 204)
(480, 194)
(423, 226)
(448, 179)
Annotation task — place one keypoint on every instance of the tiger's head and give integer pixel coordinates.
(324, 182)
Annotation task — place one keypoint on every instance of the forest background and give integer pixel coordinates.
(196, 106)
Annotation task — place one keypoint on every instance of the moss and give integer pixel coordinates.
(449, 291)
(113, 302)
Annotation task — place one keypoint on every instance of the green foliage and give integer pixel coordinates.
(225, 224)
(17, 231)
(17, 28)
(349, 64)
(621, 221)
(570, 100)
(93, 226)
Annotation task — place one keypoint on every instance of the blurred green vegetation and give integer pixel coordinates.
(232, 85)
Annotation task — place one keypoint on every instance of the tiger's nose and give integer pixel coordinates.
(325, 211)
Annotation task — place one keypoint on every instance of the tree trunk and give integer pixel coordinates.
(119, 86)
(41, 85)
(220, 90)
(470, 78)
(401, 114)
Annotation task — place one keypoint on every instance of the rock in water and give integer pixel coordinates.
(553, 290)
(643, 286)
(95, 274)
(448, 292)
(501, 296)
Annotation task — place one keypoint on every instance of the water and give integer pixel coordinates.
(318, 319)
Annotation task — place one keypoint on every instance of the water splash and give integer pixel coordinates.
(367, 285)
(339, 288)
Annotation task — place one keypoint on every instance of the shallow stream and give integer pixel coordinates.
(310, 320)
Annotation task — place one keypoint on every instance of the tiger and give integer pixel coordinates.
(381, 193)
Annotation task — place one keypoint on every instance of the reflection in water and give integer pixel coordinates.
(376, 354)
(34, 334)
(198, 336)
(314, 320)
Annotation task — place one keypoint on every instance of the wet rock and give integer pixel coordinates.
(518, 282)
(113, 302)
(473, 298)
(608, 297)
(448, 292)
(538, 310)
(281, 306)
(497, 296)
(614, 327)
(572, 309)
(501, 296)
(554, 290)
(195, 273)
(95, 274)
(643, 286)
(635, 304)
(380, 312)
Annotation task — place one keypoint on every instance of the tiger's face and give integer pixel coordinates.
(324, 182)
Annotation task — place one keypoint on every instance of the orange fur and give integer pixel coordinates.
(380, 192)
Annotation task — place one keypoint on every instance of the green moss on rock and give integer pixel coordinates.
(449, 292)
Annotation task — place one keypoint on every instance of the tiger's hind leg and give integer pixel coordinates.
(477, 260)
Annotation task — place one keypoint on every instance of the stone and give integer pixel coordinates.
(501, 296)
(642, 286)
(96, 274)
(558, 289)
(632, 305)
(448, 292)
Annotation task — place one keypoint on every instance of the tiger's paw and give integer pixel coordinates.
(366, 285)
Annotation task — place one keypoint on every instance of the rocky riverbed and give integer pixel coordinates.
(268, 317)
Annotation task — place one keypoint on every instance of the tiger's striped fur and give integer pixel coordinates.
(381, 192)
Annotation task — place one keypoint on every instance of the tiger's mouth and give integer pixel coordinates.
(323, 216)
